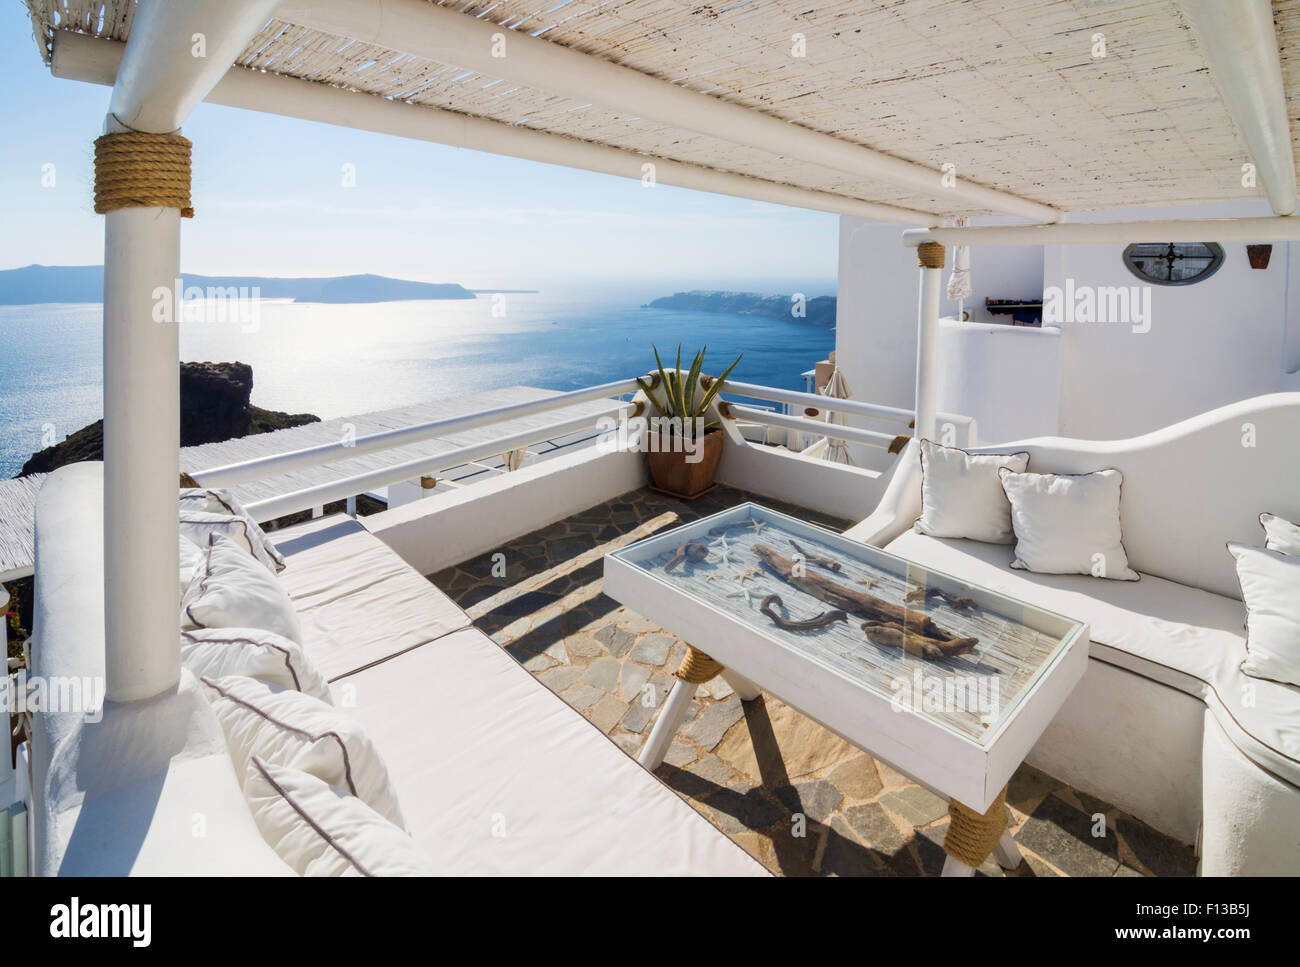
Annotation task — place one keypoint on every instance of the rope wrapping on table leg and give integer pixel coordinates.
(972, 836)
(697, 667)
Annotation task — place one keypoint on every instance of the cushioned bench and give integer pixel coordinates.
(358, 602)
(495, 773)
(1164, 724)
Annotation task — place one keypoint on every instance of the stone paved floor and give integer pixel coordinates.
(750, 767)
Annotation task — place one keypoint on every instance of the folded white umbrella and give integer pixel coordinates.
(959, 288)
(827, 448)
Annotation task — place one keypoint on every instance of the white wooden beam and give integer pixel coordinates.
(177, 51)
(1241, 47)
(449, 37)
(1267, 228)
(81, 58)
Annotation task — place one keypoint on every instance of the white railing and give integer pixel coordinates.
(312, 497)
(855, 407)
(836, 431)
(346, 488)
(278, 463)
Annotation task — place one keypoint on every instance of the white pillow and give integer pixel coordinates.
(198, 526)
(289, 728)
(223, 503)
(1068, 523)
(321, 831)
(253, 653)
(1282, 535)
(191, 556)
(1270, 587)
(961, 495)
(231, 590)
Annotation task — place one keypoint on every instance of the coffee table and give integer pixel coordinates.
(912, 689)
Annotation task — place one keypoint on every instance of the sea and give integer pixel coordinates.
(343, 360)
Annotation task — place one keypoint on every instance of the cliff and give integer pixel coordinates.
(819, 311)
(38, 284)
(214, 407)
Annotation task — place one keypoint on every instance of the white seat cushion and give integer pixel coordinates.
(1186, 638)
(357, 601)
(498, 775)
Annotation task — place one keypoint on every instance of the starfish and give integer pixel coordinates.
(725, 552)
(758, 526)
(712, 576)
(867, 581)
(745, 575)
(742, 592)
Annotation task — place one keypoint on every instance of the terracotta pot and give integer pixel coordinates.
(1259, 255)
(671, 472)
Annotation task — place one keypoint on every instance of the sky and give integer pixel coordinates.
(270, 200)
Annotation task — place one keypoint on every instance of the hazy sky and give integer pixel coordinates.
(269, 198)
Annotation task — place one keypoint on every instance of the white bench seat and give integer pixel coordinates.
(358, 602)
(498, 775)
(495, 773)
(1183, 637)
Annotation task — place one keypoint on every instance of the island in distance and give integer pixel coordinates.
(819, 311)
(39, 284)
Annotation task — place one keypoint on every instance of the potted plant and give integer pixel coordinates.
(683, 449)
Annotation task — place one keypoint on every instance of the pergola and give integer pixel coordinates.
(912, 113)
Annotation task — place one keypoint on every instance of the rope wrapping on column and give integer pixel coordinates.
(971, 836)
(697, 667)
(929, 255)
(134, 169)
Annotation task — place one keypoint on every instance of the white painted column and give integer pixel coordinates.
(141, 453)
(930, 258)
(177, 52)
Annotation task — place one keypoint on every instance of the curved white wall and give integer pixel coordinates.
(1006, 377)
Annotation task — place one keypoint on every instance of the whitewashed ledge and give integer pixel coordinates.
(18, 525)
(209, 455)
(18, 497)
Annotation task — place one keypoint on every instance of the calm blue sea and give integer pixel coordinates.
(343, 360)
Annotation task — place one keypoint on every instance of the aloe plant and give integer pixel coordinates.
(683, 400)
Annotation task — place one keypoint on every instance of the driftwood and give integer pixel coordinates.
(768, 607)
(892, 636)
(692, 551)
(913, 630)
(956, 601)
(816, 559)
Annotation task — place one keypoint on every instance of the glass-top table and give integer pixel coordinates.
(948, 682)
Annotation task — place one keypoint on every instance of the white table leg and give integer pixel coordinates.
(746, 689)
(665, 727)
(954, 867)
(1007, 853)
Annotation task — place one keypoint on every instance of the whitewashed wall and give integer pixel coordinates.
(1210, 343)
(1233, 336)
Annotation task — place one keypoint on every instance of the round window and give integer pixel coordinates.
(1173, 263)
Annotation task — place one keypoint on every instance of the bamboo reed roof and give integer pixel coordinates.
(1007, 90)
